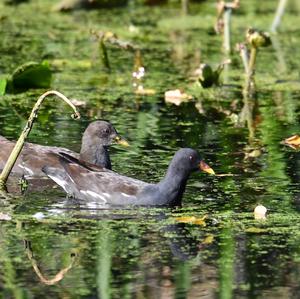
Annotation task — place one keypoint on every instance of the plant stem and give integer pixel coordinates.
(279, 13)
(104, 55)
(244, 55)
(226, 19)
(252, 61)
(247, 116)
(250, 83)
(185, 7)
(20, 143)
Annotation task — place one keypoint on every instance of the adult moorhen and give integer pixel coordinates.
(97, 137)
(91, 183)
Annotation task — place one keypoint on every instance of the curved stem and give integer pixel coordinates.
(20, 143)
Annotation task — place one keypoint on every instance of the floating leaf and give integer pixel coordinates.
(32, 75)
(5, 217)
(293, 142)
(176, 97)
(208, 240)
(145, 91)
(192, 220)
(260, 212)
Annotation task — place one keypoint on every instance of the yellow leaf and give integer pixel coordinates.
(192, 220)
(208, 240)
(145, 91)
(176, 97)
(293, 141)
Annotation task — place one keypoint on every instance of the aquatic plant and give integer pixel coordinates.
(107, 37)
(185, 7)
(256, 39)
(207, 76)
(28, 75)
(278, 16)
(222, 25)
(242, 49)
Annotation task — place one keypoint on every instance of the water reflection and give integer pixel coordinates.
(149, 256)
(48, 281)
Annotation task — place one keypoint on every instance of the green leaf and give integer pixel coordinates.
(3, 83)
(32, 75)
(206, 76)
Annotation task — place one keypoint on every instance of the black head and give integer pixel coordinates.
(102, 132)
(187, 160)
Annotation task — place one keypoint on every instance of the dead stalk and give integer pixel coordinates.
(279, 13)
(224, 11)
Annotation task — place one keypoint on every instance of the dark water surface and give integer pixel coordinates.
(58, 248)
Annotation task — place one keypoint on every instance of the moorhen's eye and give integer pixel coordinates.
(191, 158)
(105, 131)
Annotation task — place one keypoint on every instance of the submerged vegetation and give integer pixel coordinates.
(237, 234)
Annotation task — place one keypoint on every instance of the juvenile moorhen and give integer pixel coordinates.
(97, 137)
(91, 183)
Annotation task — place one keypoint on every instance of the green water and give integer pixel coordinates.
(57, 248)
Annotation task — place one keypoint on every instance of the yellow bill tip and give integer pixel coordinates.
(206, 168)
(121, 141)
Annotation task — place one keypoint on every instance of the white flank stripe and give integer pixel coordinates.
(59, 182)
(93, 194)
(124, 194)
(29, 171)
